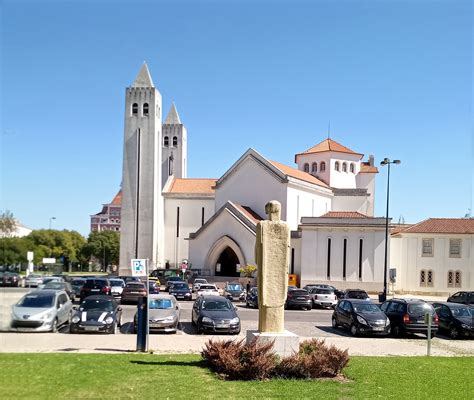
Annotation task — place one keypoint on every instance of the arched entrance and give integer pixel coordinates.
(225, 257)
(227, 264)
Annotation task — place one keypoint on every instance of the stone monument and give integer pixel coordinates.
(272, 252)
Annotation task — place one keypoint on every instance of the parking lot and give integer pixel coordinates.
(306, 324)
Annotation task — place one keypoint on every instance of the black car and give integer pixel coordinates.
(355, 294)
(95, 286)
(298, 298)
(215, 314)
(408, 316)
(462, 298)
(252, 298)
(181, 290)
(455, 319)
(10, 279)
(172, 280)
(234, 291)
(97, 314)
(76, 285)
(360, 317)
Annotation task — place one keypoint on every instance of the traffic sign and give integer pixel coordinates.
(138, 267)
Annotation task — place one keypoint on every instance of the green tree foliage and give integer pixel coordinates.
(104, 246)
(13, 251)
(7, 223)
(248, 270)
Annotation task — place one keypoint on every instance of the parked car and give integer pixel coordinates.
(181, 290)
(48, 279)
(208, 289)
(462, 298)
(234, 291)
(360, 317)
(215, 314)
(127, 278)
(153, 287)
(455, 319)
(355, 294)
(163, 313)
(66, 286)
(292, 287)
(10, 279)
(198, 282)
(33, 280)
(41, 311)
(116, 287)
(323, 297)
(408, 316)
(252, 298)
(298, 298)
(132, 291)
(95, 286)
(76, 285)
(171, 280)
(97, 314)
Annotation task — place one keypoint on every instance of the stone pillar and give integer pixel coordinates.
(272, 252)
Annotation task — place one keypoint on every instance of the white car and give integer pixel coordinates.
(207, 289)
(323, 297)
(117, 287)
(198, 282)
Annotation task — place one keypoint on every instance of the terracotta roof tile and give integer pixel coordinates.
(366, 168)
(344, 214)
(193, 185)
(251, 214)
(443, 225)
(397, 228)
(329, 145)
(296, 173)
(117, 200)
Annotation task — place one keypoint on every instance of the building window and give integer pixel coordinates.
(329, 259)
(145, 109)
(352, 168)
(422, 277)
(314, 167)
(177, 222)
(134, 109)
(166, 141)
(322, 166)
(450, 278)
(202, 216)
(344, 167)
(429, 278)
(361, 248)
(457, 279)
(427, 248)
(175, 141)
(455, 248)
(336, 165)
(306, 167)
(170, 165)
(344, 259)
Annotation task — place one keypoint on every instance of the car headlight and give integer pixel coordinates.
(207, 320)
(169, 319)
(387, 322)
(235, 320)
(75, 319)
(109, 320)
(47, 316)
(465, 326)
(361, 320)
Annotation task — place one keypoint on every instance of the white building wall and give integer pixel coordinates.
(296, 246)
(340, 179)
(302, 159)
(305, 203)
(251, 185)
(351, 203)
(367, 181)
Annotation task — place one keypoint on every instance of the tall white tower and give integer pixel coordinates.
(175, 147)
(142, 218)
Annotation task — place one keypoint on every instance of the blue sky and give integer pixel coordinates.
(393, 78)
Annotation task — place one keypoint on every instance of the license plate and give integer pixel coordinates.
(378, 328)
(95, 290)
(300, 298)
(180, 297)
(134, 292)
(222, 326)
(91, 328)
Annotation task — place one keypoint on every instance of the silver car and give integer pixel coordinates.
(163, 313)
(198, 282)
(41, 311)
(33, 280)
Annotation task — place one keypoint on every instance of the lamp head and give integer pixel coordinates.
(396, 161)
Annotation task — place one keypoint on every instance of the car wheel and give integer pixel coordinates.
(453, 333)
(353, 330)
(335, 325)
(54, 328)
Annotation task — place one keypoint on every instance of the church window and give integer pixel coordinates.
(455, 248)
(430, 277)
(336, 165)
(166, 141)
(134, 109)
(427, 248)
(322, 167)
(175, 141)
(329, 260)
(170, 165)
(344, 167)
(450, 278)
(457, 279)
(314, 167)
(352, 168)
(306, 167)
(361, 246)
(422, 277)
(145, 109)
(344, 259)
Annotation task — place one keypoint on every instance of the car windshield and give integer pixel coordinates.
(322, 291)
(46, 280)
(365, 308)
(77, 282)
(213, 305)
(116, 283)
(200, 281)
(301, 292)
(135, 285)
(180, 286)
(97, 305)
(419, 308)
(234, 286)
(357, 295)
(37, 301)
(161, 304)
(97, 282)
(54, 285)
(462, 312)
(208, 287)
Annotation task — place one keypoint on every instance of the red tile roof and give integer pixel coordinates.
(117, 200)
(397, 228)
(193, 185)
(251, 214)
(366, 168)
(296, 173)
(344, 214)
(443, 225)
(329, 145)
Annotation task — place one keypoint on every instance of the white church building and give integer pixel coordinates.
(327, 199)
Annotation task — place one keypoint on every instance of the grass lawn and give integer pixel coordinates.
(147, 376)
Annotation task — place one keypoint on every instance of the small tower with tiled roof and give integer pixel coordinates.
(174, 147)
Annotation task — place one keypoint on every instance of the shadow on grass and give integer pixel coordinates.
(200, 363)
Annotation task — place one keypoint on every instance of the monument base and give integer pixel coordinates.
(284, 344)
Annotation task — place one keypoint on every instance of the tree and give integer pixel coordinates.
(7, 223)
(104, 246)
(248, 270)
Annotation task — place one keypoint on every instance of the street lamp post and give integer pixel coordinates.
(387, 161)
(50, 222)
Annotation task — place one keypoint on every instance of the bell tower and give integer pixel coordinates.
(142, 218)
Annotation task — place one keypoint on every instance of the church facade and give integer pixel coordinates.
(327, 199)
